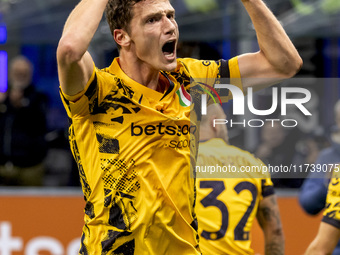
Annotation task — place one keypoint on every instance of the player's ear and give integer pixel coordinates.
(212, 123)
(121, 37)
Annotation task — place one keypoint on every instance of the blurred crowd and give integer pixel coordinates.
(31, 154)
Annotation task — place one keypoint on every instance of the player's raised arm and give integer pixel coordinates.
(268, 216)
(75, 65)
(277, 58)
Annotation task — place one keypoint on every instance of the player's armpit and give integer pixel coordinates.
(325, 240)
(268, 216)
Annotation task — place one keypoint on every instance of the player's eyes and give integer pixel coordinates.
(151, 20)
(171, 16)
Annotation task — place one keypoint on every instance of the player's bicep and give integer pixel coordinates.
(74, 76)
(325, 241)
(257, 72)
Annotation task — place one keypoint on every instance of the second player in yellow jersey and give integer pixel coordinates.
(227, 207)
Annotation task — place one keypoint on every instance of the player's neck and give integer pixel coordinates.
(140, 72)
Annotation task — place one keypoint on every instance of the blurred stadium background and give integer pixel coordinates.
(209, 29)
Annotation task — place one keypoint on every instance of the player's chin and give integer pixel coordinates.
(170, 66)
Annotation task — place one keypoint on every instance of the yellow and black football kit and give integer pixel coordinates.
(226, 207)
(331, 213)
(132, 147)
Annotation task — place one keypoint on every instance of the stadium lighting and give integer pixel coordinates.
(3, 34)
(3, 71)
(3, 60)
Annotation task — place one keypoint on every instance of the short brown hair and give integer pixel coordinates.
(119, 14)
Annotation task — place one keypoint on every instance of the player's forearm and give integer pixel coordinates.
(268, 216)
(80, 28)
(273, 40)
(275, 245)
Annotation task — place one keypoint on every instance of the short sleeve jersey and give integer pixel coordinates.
(132, 147)
(331, 213)
(226, 207)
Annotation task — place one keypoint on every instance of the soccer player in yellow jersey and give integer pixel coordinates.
(329, 231)
(131, 132)
(226, 207)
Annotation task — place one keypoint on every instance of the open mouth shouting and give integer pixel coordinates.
(168, 50)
